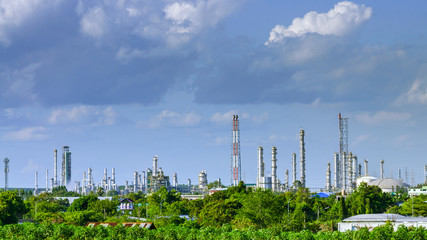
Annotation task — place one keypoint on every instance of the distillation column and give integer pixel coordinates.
(302, 158)
(336, 171)
(155, 159)
(135, 182)
(344, 172)
(382, 169)
(273, 169)
(113, 178)
(260, 177)
(55, 168)
(294, 168)
(286, 180)
(6, 173)
(350, 171)
(328, 177)
(355, 169)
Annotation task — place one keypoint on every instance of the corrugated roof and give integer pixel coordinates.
(148, 225)
(383, 217)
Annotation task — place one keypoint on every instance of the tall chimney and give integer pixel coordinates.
(382, 169)
(302, 157)
(55, 168)
(260, 178)
(366, 167)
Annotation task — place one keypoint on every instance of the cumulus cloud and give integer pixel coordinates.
(25, 134)
(170, 118)
(13, 13)
(18, 85)
(344, 17)
(223, 117)
(84, 114)
(362, 138)
(93, 22)
(125, 54)
(417, 94)
(383, 116)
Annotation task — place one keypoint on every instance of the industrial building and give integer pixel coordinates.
(371, 221)
(66, 165)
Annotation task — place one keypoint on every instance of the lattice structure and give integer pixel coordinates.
(343, 128)
(236, 169)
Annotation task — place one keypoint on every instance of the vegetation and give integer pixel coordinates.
(63, 231)
(237, 212)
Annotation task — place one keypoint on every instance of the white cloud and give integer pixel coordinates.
(75, 114)
(362, 138)
(382, 116)
(125, 54)
(84, 114)
(94, 22)
(171, 118)
(344, 17)
(13, 13)
(25, 134)
(223, 117)
(19, 84)
(417, 94)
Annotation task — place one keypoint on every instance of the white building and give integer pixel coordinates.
(388, 185)
(374, 220)
(417, 191)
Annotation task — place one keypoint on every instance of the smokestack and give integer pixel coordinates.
(36, 187)
(328, 177)
(366, 167)
(336, 170)
(302, 157)
(154, 166)
(189, 185)
(294, 168)
(286, 179)
(273, 169)
(55, 168)
(260, 178)
(382, 169)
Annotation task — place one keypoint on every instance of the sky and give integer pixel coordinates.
(122, 81)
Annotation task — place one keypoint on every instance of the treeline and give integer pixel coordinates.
(63, 231)
(238, 207)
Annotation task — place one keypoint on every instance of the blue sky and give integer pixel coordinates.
(122, 81)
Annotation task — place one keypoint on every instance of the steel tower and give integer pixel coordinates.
(343, 127)
(236, 168)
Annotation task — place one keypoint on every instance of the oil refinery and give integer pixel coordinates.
(344, 175)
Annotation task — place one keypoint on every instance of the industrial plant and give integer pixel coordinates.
(343, 176)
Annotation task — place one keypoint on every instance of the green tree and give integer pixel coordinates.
(11, 205)
(417, 204)
(262, 208)
(82, 203)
